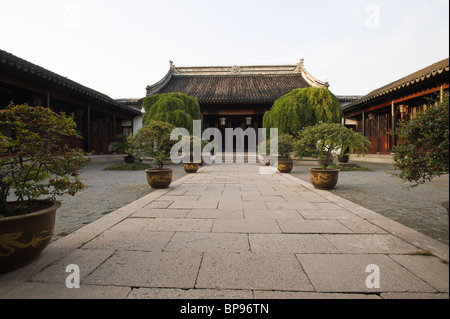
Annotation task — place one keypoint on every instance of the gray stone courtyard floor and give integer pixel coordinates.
(231, 232)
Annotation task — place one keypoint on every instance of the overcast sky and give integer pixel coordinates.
(120, 47)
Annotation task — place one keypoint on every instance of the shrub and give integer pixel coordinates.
(122, 144)
(153, 141)
(324, 139)
(285, 146)
(33, 161)
(423, 152)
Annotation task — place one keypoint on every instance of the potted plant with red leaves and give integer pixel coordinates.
(35, 167)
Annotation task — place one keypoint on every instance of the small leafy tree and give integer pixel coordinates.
(33, 161)
(122, 144)
(285, 146)
(423, 152)
(177, 109)
(301, 108)
(324, 139)
(153, 141)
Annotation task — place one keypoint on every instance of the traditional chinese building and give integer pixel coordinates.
(99, 118)
(236, 96)
(377, 114)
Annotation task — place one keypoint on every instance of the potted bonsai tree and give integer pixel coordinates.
(153, 141)
(123, 145)
(285, 148)
(190, 166)
(264, 145)
(324, 139)
(34, 164)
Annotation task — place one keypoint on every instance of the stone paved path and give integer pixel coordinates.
(230, 232)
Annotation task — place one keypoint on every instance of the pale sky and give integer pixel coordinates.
(120, 47)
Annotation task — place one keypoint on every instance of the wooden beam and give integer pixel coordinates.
(399, 100)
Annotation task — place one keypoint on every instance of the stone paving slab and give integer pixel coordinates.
(147, 269)
(260, 271)
(299, 226)
(238, 234)
(130, 240)
(291, 243)
(264, 226)
(208, 242)
(44, 290)
(157, 293)
(371, 244)
(347, 273)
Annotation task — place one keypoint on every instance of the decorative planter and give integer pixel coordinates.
(324, 178)
(129, 159)
(159, 178)
(285, 167)
(191, 168)
(24, 237)
(344, 159)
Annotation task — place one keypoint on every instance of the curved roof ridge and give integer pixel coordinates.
(238, 72)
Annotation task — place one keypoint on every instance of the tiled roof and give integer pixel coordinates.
(234, 88)
(243, 84)
(18, 65)
(439, 68)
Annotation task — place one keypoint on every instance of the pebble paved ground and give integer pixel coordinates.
(418, 208)
(107, 191)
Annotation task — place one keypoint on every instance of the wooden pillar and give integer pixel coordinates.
(48, 100)
(378, 133)
(89, 149)
(392, 125)
(363, 123)
(114, 127)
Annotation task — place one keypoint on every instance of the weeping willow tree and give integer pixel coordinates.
(177, 109)
(301, 108)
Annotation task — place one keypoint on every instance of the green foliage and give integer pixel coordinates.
(423, 152)
(285, 146)
(177, 109)
(344, 168)
(33, 161)
(301, 108)
(127, 167)
(324, 139)
(122, 145)
(153, 141)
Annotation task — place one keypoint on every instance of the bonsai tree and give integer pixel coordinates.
(33, 161)
(285, 147)
(153, 141)
(324, 139)
(423, 152)
(301, 108)
(177, 109)
(122, 145)
(353, 142)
